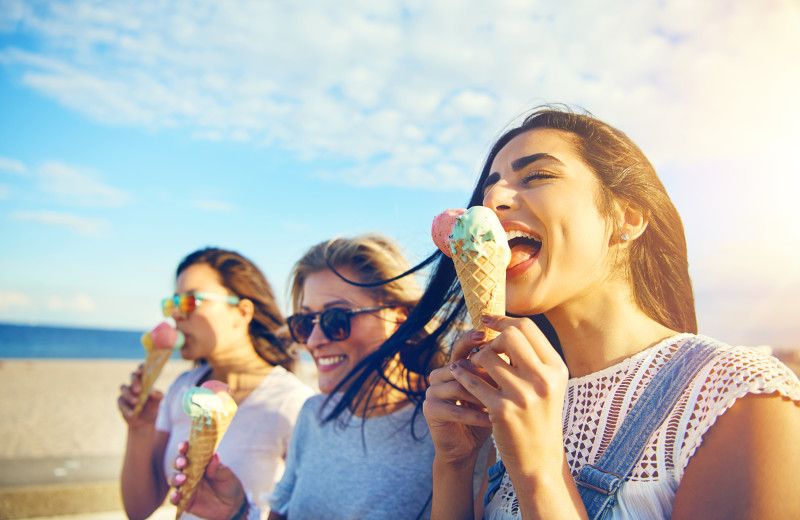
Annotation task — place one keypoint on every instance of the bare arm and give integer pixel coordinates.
(143, 483)
(459, 427)
(746, 466)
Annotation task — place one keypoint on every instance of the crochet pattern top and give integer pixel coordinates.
(595, 406)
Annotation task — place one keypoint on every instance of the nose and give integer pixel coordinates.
(499, 197)
(316, 338)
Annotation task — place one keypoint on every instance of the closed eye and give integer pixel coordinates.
(536, 175)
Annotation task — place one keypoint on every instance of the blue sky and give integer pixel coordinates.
(133, 132)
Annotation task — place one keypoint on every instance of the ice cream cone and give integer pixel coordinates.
(482, 275)
(158, 345)
(203, 441)
(210, 420)
(154, 361)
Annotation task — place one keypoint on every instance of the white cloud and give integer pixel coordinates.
(79, 186)
(15, 300)
(12, 165)
(78, 303)
(75, 223)
(359, 80)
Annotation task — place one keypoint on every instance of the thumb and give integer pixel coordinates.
(214, 467)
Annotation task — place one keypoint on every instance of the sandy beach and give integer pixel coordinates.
(62, 438)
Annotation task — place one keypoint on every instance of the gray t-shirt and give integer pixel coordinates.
(333, 472)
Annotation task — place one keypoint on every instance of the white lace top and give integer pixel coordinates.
(595, 406)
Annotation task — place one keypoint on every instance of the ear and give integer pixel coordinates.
(246, 309)
(631, 219)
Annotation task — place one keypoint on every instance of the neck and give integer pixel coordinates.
(602, 331)
(239, 367)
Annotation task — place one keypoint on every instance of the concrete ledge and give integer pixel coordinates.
(59, 499)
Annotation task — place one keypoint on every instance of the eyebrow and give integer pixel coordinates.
(522, 162)
(331, 305)
(518, 164)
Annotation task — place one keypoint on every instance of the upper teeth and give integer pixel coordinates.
(515, 233)
(330, 360)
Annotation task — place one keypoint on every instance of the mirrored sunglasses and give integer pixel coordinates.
(188, 302)
(334, 322)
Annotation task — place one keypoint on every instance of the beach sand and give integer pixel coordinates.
(62, 438)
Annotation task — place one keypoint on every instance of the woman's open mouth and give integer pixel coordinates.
(524, 246)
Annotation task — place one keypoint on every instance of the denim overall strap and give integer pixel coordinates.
(598, 483)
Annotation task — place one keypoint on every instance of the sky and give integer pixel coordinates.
(133, 132)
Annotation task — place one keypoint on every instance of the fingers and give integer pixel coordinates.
(177, 480)
(539, 349)
(477, 384)
(466, 343)
(180, 463)
(439, 409)
(445, 387)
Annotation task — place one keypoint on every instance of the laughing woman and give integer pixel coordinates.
(601, 254)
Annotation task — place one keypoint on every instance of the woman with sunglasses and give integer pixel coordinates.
(362, 449)
(235, 333)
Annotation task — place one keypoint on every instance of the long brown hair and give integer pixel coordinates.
(658, 265)
(267, 330)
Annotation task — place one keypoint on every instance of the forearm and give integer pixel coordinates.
(452, 490)
(549, 492)
(142, 484)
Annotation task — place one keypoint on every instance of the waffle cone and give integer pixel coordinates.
(483, 280)
(154, 361)
(205, 435)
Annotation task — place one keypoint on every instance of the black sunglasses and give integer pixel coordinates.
(334, 322)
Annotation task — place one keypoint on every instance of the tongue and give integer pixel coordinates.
(520, 253)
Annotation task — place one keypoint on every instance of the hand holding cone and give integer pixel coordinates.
(212, 409)
(158, 345)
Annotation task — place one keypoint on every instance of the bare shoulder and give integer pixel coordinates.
(745, 465)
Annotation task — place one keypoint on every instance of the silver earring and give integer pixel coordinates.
(624, 237)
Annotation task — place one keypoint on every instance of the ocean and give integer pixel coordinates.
(38, 342)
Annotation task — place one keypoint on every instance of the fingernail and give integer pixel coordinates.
(175, 497)
(180, 462)
(182, 446)
(180, 479)
(478, 335)
(487, 319)
(453, 366)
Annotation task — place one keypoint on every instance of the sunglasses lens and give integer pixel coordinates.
(335, 324)
(300, 325)
(187, 303)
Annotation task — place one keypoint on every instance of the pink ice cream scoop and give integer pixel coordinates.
(163, 337)
(442, 228)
